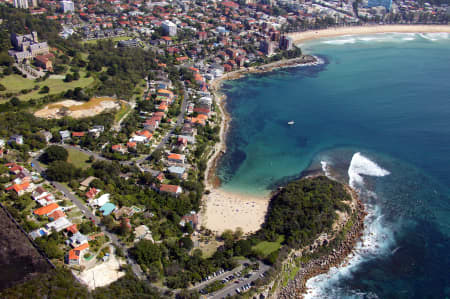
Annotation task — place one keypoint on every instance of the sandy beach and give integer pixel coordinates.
(359, 30)
(226, 210)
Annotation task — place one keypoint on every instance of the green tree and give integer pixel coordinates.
(54, 153)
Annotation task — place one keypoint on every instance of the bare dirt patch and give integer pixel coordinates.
(76, 109)
(103, 274)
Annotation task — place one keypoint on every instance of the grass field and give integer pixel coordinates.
(15, 83)
(265, 248)
(78, 158)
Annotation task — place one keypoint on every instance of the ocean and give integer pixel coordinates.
(375, 113)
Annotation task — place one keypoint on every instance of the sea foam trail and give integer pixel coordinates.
(377, 238)
(361, 165)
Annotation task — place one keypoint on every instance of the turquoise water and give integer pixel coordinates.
(386, 97)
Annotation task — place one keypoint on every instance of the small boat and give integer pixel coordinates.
(291, 122)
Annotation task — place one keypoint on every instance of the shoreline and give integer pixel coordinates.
(299, 37)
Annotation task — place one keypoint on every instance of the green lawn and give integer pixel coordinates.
(78, 158)
(15, 83)
(266, 248)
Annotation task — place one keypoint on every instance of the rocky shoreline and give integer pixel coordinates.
(297, 287)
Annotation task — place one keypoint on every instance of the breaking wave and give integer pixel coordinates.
(360, 166)
(385, 37)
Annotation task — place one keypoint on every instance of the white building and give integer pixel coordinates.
(59, 224)
(21, 3)
(67, 6)
(169, 28)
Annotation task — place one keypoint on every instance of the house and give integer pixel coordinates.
(107, 208)
(171, 189)
(92, 193)
(96, 131)
(59, 224)
(65, 135)
(77, 134)
(72, 229)
(40, 232)
(100, 201)
(45, 61)
(87, 181)
(119, 148)
(131, 144)
(21, 188)
(176, 158)
(74, 255)
(123, 212)
(142, 232)
(46, 210)
(17, 139)
(56, 215)
(77, 239)
(187, 130)
(39, 192)
(177, 171)
(47, 136)
(191, 218)
(203, 111)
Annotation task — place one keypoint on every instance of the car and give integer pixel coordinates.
(248, 275)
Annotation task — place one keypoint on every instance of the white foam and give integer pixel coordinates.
(435, 36)
(361, 165)
(325, 168)
(340, 41)
(377, 241)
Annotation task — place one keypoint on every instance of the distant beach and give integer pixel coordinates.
(299, 37)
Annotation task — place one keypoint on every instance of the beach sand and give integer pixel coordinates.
(225, 210)
(299, 37)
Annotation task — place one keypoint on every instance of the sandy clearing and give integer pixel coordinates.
(103, 274)
(77, 109)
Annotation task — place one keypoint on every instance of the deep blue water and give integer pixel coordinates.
(387, 97)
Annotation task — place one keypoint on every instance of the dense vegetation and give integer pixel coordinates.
(304, 209)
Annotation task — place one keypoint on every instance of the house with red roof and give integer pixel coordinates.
(171, 189)
(75, 254)
(77, 134)
(176, 158)
(92, 193)
(47, 209)
(56, 215)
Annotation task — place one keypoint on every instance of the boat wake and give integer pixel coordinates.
(377, 240)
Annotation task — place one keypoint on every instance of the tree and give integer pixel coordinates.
(54, 153)
(61, 171)
(15, 101)
(186, 243)
(45, 89)
(146, 252)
